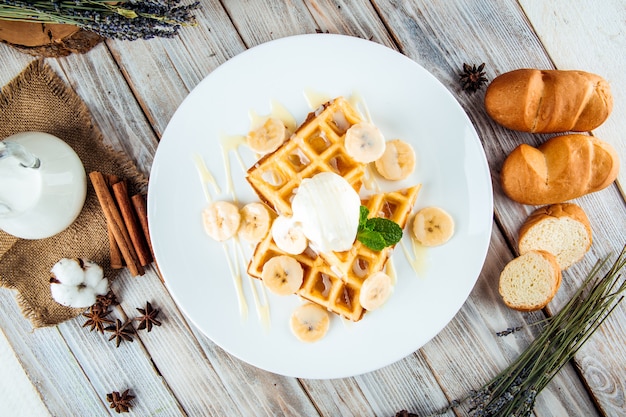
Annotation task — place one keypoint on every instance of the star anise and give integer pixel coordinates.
(121, 331)
(120, 402)
(472, 78)
(148, 318)
(97, 318)
(405, 413)
(106, 301)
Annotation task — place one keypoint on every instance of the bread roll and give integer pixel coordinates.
(561, 229)
(549, 101)
(563, 168)
(530, 281)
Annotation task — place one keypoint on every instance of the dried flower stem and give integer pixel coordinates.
(562, 337)
(513, 391)
(122, 19)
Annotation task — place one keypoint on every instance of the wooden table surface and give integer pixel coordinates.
(132, 90)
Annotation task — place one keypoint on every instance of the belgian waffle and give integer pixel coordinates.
(396, 206)
(324, 283)
(320, 285)
(316, 146)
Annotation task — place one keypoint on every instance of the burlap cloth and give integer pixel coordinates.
(38, 100)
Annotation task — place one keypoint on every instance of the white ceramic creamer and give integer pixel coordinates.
(42, 185)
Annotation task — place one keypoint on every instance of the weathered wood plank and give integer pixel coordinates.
(350, 18)
(173, 350)
(49, 363)
(260, 21)
(115, 111)
(257, 392)
(12, 63)
(18, 395)
(111, 368)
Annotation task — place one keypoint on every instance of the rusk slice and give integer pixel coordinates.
(316, 146)
(530, 281)
(561, 229)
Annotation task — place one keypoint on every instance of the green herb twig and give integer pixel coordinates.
(513, 391)
(122, 19)
(377, 232)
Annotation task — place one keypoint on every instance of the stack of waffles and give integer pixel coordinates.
(334, 279)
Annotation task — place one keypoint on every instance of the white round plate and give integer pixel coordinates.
(404, 101)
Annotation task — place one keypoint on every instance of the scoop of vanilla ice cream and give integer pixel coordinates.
(327, 208)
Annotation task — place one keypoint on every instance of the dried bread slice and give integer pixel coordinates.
(530, 281)
(561, 229)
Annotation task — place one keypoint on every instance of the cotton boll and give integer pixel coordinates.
(63, 294)
(68, 271)
(72, 296)
(77, 282)
(94, 278)
(93, 274)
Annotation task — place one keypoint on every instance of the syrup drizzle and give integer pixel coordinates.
(206, 177)
(314, 98)
(235, 272)
(234, 260)
(262, 306)
(390, 269)
(415, 255)
(231, 143)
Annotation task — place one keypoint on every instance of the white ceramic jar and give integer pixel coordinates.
(42, 185)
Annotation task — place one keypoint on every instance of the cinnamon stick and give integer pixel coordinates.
(141, 209)
(114, 218)
(117, 261)
(120, 191)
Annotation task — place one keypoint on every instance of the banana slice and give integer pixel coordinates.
(364, 142)
(289, 236)
(255, 222)
(397, 162)
(309, 322)
(433, 226)
(267, 137)
(375, 291)
(282, 275)
(221, 220)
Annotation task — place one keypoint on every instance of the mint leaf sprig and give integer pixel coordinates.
(377, 233)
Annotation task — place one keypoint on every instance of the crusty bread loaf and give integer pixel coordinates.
(549, 101)
(561, 229)
(563, 168)
(530, 281)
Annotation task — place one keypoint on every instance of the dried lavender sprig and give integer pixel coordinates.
(513, 391)
(509, 330)
(125, 19)
(562, 337)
